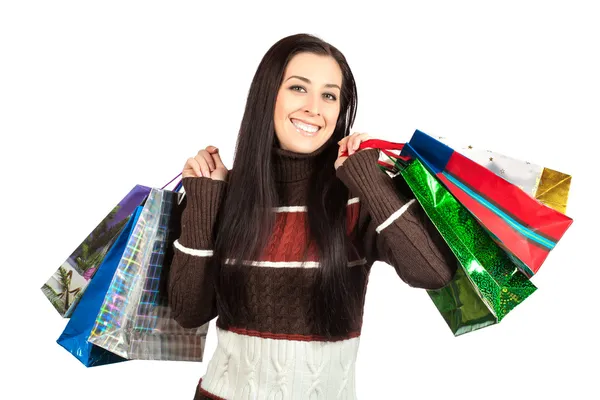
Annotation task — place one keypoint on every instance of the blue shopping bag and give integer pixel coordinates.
(75, 335)
(67, 285)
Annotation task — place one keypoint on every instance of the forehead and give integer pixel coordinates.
(317, 68)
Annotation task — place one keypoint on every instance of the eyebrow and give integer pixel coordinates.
(328, 85)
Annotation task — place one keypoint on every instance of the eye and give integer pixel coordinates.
(298, 88)
(330, 96)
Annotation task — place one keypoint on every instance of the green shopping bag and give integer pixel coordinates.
(488, 284)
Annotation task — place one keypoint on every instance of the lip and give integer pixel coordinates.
(305, 122)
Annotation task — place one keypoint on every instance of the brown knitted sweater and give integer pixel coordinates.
(274, 348)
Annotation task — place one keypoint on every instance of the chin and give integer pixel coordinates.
(305, 147)
(300, 149)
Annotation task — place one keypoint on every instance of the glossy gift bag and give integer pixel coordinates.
(75, 336)
(135, 319)
(66, 286)
(524, 227)
(487, 284)
(548, 186)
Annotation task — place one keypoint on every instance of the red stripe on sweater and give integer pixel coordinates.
(287, 336)
(352, 213)
(207, 394)
(288, 239)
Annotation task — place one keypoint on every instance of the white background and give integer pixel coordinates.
(99, 96)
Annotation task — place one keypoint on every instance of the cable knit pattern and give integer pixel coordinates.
(316, 362)
(282, 360)
(271, 349)
(279, 300)
(251, 359)
(282, 369)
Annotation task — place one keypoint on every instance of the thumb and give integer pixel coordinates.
(217, 159)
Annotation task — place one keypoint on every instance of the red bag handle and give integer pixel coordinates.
(382, 145)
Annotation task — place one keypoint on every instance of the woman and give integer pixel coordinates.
(280, 247)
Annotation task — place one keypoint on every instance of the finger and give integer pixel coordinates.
(193, 165)
(344, 146)
(217, 159)
(358, 139)
(363, 137)
(214, 152)
(208, 158)
(203, 166)
(353, 144)
(366, 137)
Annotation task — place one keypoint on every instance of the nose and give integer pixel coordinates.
(312, 106)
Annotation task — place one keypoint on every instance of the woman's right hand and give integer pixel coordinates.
(207, 163)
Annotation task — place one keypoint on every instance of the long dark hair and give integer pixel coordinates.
(246, 219)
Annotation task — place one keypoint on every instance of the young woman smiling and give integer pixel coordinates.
(280, 247)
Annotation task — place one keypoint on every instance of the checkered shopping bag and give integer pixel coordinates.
(135, 320)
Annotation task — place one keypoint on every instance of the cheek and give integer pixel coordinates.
(331, 118)
(285, 105)
(279, 107)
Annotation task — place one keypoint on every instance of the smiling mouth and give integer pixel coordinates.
(304, 127)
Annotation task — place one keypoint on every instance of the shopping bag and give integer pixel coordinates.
(525, 228)
(488, 285)
(74, 338)
(548, 186)
(135, 320)
(66, 286)
(461, 304)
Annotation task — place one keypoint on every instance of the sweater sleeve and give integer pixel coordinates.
(191, 290)
(398, 231)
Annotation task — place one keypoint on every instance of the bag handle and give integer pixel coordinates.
(178, 186)
(382, 145)
(385, 147)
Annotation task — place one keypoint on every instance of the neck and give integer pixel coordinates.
(290, 166)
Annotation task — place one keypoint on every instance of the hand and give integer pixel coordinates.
(207, 163)
(350, 144)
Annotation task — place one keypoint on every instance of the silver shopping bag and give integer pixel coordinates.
(135, 319)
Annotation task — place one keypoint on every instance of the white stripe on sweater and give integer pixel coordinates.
(394, 216)
(192, 252)
(304, 209)
(268, 264)
(249, 367)
(292, 264)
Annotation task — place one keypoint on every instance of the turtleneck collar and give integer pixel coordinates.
(293, 167)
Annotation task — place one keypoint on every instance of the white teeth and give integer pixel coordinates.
(305, 127)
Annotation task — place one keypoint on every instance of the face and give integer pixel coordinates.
(308, 102)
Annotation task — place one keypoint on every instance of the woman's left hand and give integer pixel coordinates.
(350, 143)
